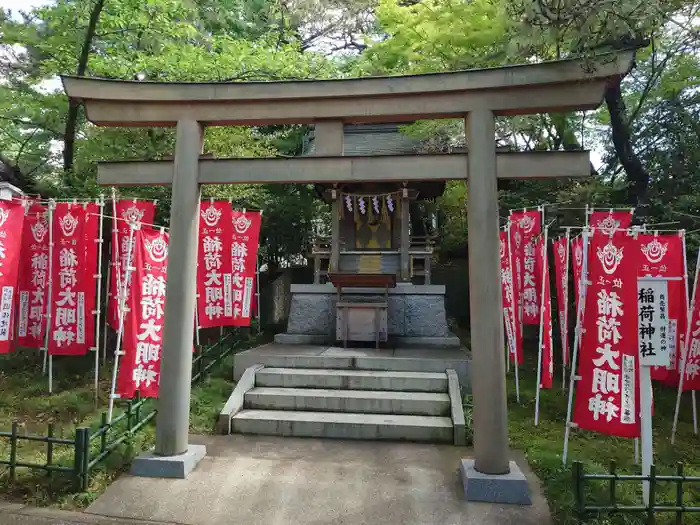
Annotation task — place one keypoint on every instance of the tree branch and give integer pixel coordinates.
(73, 107)
(637, 176)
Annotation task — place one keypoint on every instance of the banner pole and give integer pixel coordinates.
(588, 212)
(647, 438)
(577, 337)
(98, 310)
(108, 296)
(47, 356)
(196, 324)
(565, 325)
(541, 339)
(116, 261)
(687, 305)
(684, 352)
(257, 290)
(257, 279)
(120, 333)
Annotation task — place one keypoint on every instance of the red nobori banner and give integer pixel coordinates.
(244, 260)
(509, 305)
(125, 212)
(515, 240)
(610, 220)
(214, 265)
(530, 226)
(561, 265)
(69, 286)
(577, 267)
(691, 377)
(33, 278)
(92, 254)
(662, 256)
(139, 369)
(607, 393)
(547, 375)
(11, 225)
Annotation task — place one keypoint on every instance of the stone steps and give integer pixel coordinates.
(344, 425)
(347, 404)
(352, 379)
(353, 401)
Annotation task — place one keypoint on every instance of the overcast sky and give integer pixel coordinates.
(16, 5)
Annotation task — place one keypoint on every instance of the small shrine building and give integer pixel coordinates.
(372, 235)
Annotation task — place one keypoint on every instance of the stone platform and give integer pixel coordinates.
(416, 315)
(332, 357)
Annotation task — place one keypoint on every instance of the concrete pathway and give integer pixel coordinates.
(13, 514)
(250, 480)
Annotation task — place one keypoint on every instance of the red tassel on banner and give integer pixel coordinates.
(33, 278)
(67, 333)
(662, 256)
(530, 223)
(11, 225)
(125, 211)
(139, 369)
(244, 252)
(607, 395)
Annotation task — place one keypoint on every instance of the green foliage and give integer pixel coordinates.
(241, 40)
(160, 40)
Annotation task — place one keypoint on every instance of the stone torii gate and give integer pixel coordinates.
(479, 96)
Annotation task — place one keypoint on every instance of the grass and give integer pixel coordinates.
(542, 445)
(24, 399)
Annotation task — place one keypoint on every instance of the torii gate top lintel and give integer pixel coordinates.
(565, 85)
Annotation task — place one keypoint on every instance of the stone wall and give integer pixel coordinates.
(409, 315)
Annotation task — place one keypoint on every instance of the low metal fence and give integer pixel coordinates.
(613, 505)
(88, 447)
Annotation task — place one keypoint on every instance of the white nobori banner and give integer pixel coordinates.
(653, 322)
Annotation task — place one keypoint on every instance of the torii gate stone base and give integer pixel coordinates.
(479, 96)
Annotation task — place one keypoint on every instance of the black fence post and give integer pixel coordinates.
(652, 495)
(49, 451)
(13, 451)
(613, 482)
(86, 458)
(577, 469)
(78, 458)
(679, 493)
(129, 412)
(104, 428)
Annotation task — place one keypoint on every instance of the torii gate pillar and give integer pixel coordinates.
(486, 314)
(173, 456)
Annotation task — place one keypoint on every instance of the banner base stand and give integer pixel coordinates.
(511, 488)
(148, 465)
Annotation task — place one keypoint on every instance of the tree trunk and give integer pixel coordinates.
(637, 176)
(12, 174)
(74, 107)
